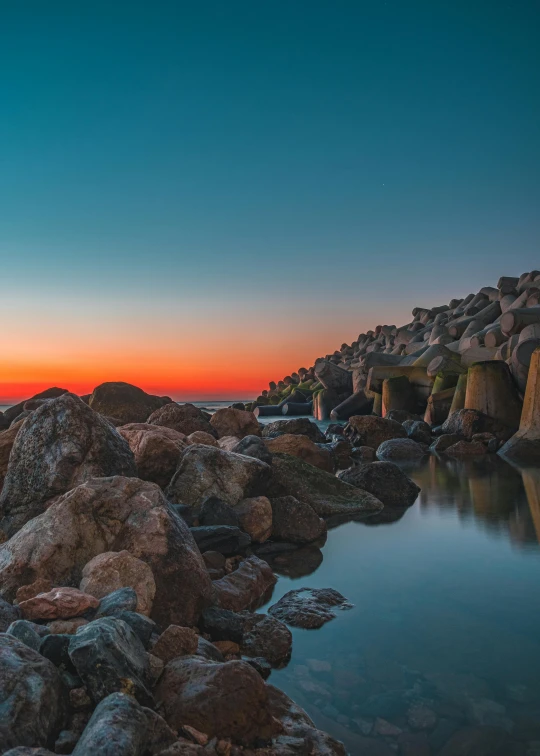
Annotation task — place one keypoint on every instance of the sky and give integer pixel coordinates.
(201, 197)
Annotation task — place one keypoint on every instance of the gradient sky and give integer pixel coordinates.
(199, 197)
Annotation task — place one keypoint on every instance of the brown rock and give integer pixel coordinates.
(466, 449)
(124, 401)
(228, 443)
(60, 446)
(60, 603)
(106, 513)
(246, 586)
(155, 668)
(443, 442)
(175, 641)
(157, 450)
(303, 448)
(184, 418)
(201, 437)
(477, 741)
(225, 700)
(255, 515)
(111, 570)
(234, 422)
(66, 627)
(368, 430)
(42, 585)
(295, 521)
(467, 422)
(227, 647)
(7, 439)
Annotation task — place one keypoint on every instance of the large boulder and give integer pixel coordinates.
(225, 700)
(234, 422)
(101, 515)
(111, 570)
(267, 637)
(13, 412)
(32, 705)
(295, 521)
(184, 418)
(385, 480)
(303, 448)
(298, 426)
(253, 446)
(401, 449)
(109, 657)
(325, 494)
(467, 422)
(7, 439)
(63, 444)
(118, 727)
(207, 471)
(157, 450)
(124, 402)
(245, 587)
(369, 430)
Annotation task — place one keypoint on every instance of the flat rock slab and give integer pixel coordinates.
(309, 607)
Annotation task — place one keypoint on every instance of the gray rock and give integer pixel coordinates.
(31, 697)
(109, 657)
(400, 449)
(216, 512)
(8, 614)
(222, 624)
(254, 446)
(267, 637)
(208, 651)
(122, 600)
(226, 539)
(418, 430)
(295, 521)
(210, 471)
(322, 491)
(24, 631)
(118, 727)
(62, 445)
(309, 607)
(55, 648)
(141, 625)
(385, 480)
(302, 426)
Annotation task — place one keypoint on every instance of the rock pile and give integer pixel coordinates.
(471, 363)
(136, 546)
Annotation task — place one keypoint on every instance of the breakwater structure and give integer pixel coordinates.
(479, 354)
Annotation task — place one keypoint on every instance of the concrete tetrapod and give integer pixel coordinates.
(524, 446)
(491, 390)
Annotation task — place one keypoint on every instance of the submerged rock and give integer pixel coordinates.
(385, 480)
(105, 513)
(323, 492)
(31, 696)
(309, 607)
(62, 445)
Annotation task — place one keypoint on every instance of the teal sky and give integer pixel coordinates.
(322, 164)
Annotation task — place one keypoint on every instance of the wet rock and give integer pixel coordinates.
(485, 711)
(261, 666)
(118, 727)
(421, 717)
(477, 741)
(362, 454)
(109, 657)
(175, 641)
(341, 451)
(25, 632)
(309, 607)
(299, 426)
(444, 441)
(31, 696)
(295, 521)
(467, 422)
(107, 513)
(234, 422)
(303, 448)
(225, 700)
(368, 430)
(184, 418)
(255, 515)
(111, 570)
(413, 744)
(400, 449)
(466, 449)
(385, 480)
(324, 493)
(8, 614)
(206, 471)
(225, 539)
(214, 511)
(418, 430)
(60, 603)
(267, 637)
(62, 445)
(121, 600)
(253, 446)
(246, 586)
(157, 450)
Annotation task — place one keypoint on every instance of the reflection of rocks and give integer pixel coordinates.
(309, 607)
(296, 563)
(384, 480)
